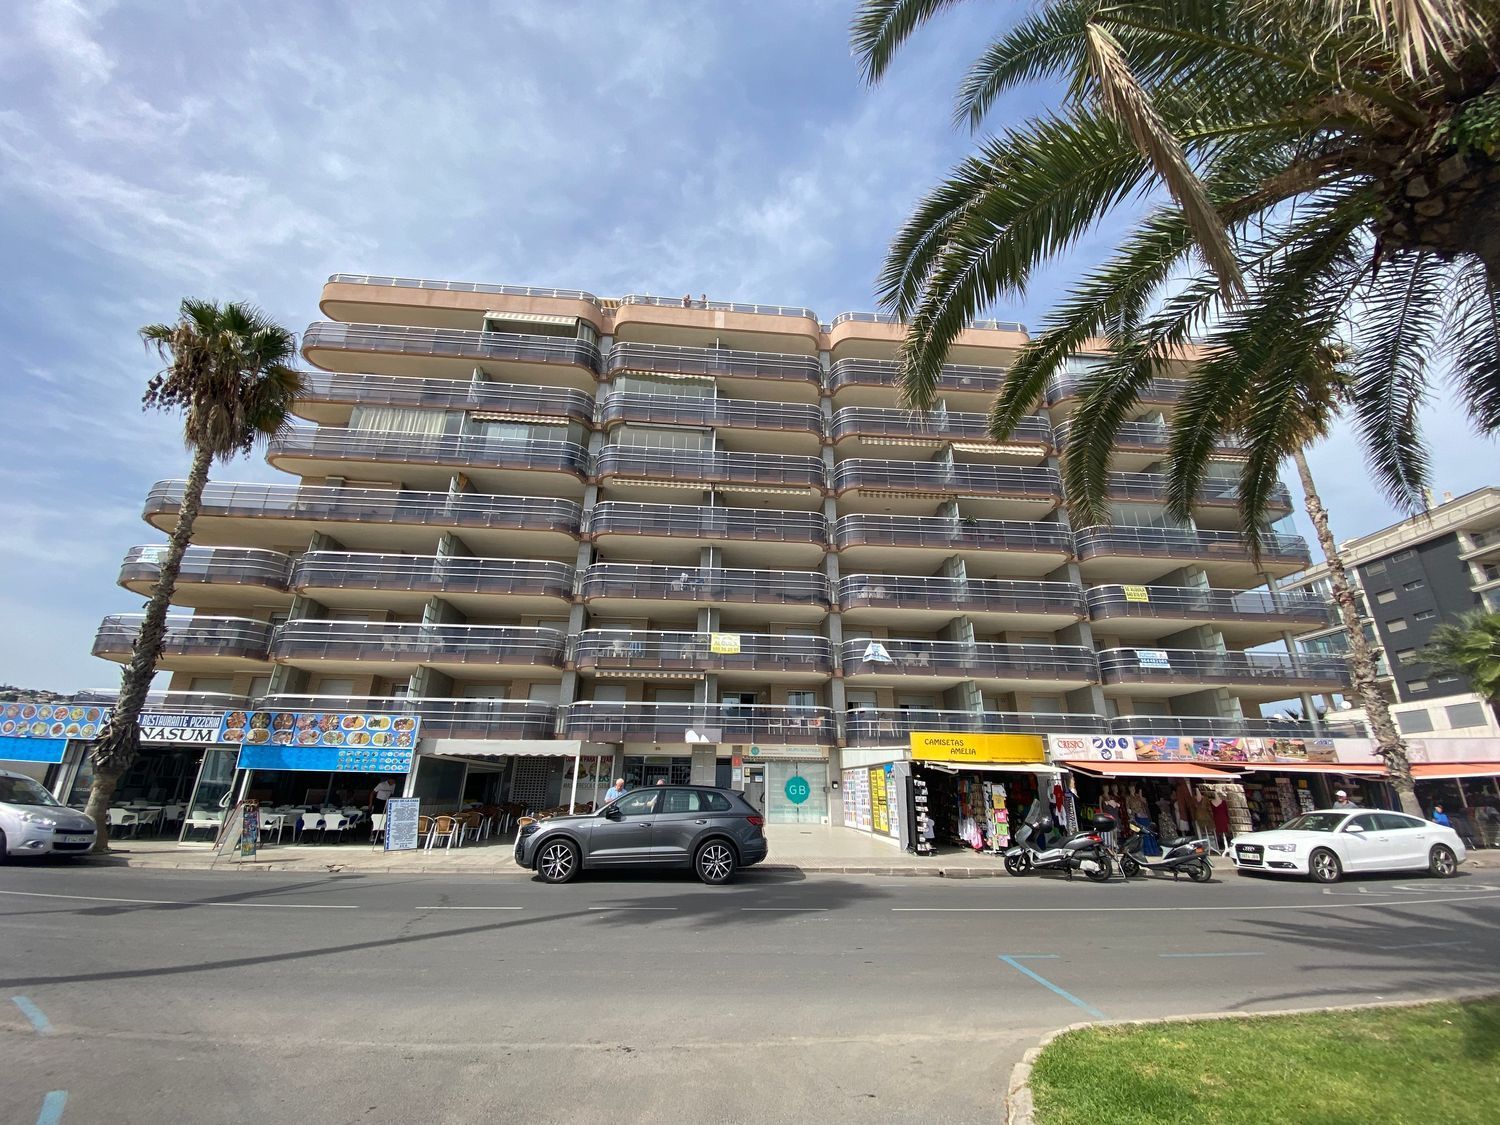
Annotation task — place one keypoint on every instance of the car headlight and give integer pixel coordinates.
(1281, 847)
(38, 819)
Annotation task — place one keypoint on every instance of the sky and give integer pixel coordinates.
(151, 151)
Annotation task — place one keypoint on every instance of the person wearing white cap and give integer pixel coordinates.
(1341, 801)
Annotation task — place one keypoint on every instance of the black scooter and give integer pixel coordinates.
(1084, 851)
(1184, 855)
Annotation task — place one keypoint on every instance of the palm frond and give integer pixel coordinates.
(1045, 44)
(881, 26)
(1471, 344)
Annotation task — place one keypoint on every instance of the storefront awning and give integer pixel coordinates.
(1341, 769)
(990, 767)
(1446, 771)
(503, 747)
(1148, 769)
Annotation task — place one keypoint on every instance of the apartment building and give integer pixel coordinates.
(701, 540)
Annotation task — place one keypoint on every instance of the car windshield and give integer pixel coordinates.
(1314, 822)
(23, 791)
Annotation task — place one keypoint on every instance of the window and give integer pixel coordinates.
(1465, 715)
(1424, 615)
(636, 804)
(1414, 722)
(714, 802)
(1417, 685)
(1447, 679)
(1366, 821)
(1395, 822)
(801, 699)
(1414, 584)
(1402, 556)
(1396, 625)
(682, 800)
(1385, 596)
(1406, 655)
(1375, 568)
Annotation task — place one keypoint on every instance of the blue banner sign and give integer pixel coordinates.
(48, 750)
(326, 759)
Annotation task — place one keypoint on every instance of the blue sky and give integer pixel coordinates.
(154, 151)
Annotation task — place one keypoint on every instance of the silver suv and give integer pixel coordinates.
(713, 831)
(33, 823)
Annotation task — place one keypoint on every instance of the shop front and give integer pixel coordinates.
(514, 777)
(973, 790)
(790, 784)
(1468, 793)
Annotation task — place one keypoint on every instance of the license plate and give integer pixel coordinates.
(73, 839)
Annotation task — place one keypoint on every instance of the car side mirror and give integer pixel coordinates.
(612, 812)
(1355, 828)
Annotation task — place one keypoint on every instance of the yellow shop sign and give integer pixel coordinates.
(941, 746)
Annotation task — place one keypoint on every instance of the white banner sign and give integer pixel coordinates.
(164, 727)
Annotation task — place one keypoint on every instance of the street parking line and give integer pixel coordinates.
(52, 1108)
(1047, 984)
(180, 902)
(37, 1017)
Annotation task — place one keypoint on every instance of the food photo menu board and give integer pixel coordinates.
(52, 720)
(349, 742)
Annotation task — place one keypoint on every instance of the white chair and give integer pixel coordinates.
(335, 822)
(120, 819)
(212, 821)
(377, 827)
(307, 822)
(171, 814)
(272, 822)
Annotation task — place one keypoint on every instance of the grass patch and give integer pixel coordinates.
(1436, 1063)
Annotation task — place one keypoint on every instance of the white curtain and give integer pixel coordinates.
(395, 420)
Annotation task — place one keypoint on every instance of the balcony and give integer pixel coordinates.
(1065, 394)
(441, 717)
(398, 349)
(931, 602)
(1165, 672)
(872, 335)
(910, 487)
(1138, 445)
(354, 646)
(1244, 617)
(782, 426)
(1217, 498)
(193, 642)
(346, 579)
(745, 374)
(176, 702)
(601, 721)
(873, 382)
(991, 548)
(556, 468)
(676, 533)
(630, 470)
(670, 321)
(328, 397)
(211, 576)
(628, 588)
(449, 304)
(867, 726)
(373, 518)
(869, 428)
(1142, 554)
(897, 661)
(643, 654)
(1194, 726)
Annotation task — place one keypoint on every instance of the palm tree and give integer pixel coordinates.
(1469, 646)
(1332, 173)
(228, 369)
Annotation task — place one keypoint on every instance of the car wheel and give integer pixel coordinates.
(714, 863)
(1442, 863)
(1017, 865)
(557, 862)
(1129, 867)
(1324, 866)
(1200, 872)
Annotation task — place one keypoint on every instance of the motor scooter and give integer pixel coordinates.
(1185, 855)
(1084, 851)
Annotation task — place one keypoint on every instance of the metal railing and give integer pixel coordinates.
(710, 466)
(674, 359)
(880, 421)
(1152, 488)
(1162, 392)
(407, 641)
(176, 702)
(722, 306)
(334, 443)
(227, 566)
(974, 595)
(1206, 727)
(241, 638)
(696, 522)
(683, 410)
(638, 649)
(958, 534)
(406, 339)
(460, 286)
(887, 318)
(704, 584)
(978, 660)
(332, 504)
(865, 726)
(608, 721)
(1155, 436)
(438, 574)
(446, 394)
(441, 717)
(883, 372)
(1152, 665)
(1190, 601)
(1172, 542)
(975, 481)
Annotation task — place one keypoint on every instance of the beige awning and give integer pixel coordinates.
(531, 318)
(502, 747)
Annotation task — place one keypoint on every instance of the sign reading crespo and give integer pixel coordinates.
(943, 746)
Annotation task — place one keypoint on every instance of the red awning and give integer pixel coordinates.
(1149, 769)
(1342, 769)
(1437, 771)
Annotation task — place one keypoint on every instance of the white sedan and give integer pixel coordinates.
(1327, 844)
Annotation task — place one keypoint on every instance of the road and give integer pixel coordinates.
(148, 996)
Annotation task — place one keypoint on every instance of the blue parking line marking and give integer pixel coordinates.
(1261, 954)
(52, 1108)
(1047, 984)
(38, 1020)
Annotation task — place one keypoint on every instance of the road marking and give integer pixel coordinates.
(1261, 954)
(38, 1019)
(1047, 984)
(468, 908)
(632, 908)
(52, 1108)
(785, 909)
(1176, 909)
(179, 902)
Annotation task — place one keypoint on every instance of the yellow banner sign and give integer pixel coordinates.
(940, 746)
(725, 644)
(1136, 594)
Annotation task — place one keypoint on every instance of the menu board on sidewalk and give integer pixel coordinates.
(401, 824)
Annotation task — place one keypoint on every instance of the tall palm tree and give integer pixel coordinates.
(1331, 167)
(1469, 646)
(228, 369)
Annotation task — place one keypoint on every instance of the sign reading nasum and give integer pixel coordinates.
(162, 727)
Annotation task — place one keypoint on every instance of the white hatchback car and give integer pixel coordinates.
(33, 823)
(1331, 842)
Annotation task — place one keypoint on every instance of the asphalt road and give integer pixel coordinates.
(160, 996)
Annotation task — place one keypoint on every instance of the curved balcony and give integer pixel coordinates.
(874, 382)
(177, 702)
(793, 424)
(1146, 553)
(869, 726)
(474, 585)
(1245, 615)
(999, 547)
(623, 586)
(602, 721)
(751, 374)
(399, 349)
(1195, 726)
(210, 576)
(888, 318)
(1139, 444)
(459, 286)
(351, 644)
(769, 656)
(1164, 672)
(994, 490)
(674, 533)
(192, 641)
(380, 518)
(328, 396)
(441, 717)
(1213, 492)
(1065, 393)
(634, 468)
(718, 306)
(878, 426)
(929, 602)
(896, 660)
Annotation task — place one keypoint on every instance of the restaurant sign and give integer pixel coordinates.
(83, 722)
(162, 727)
(337, 729)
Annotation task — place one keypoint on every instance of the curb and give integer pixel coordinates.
(1020, 1109)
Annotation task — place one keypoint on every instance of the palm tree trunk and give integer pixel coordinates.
(118, 743)
(1388, 743)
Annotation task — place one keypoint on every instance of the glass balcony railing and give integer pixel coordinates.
(417, 642)
(1158, 392)
(217, 566)
(436, 574)
(673, 359)
(1183, 543)
(459, 286)
(887, 318)
(722, 306)
(1149, 437)
(974, 595)
(1190, 602)
(1207, 727)
(644, 650)
(331, 504)
(191, 635)
(177, 702)
(704, 584)
(710, 467)
(980, 660)
(1225, 492)
(883, 373)
(377, 446)
(916, 426)
(956, 534)
(608, 721)
(612, 517)
(1157, 665)
(867, 726)
(686, 410)
(459, 343)
(441, 717)
(880, 475)
(446, 394)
